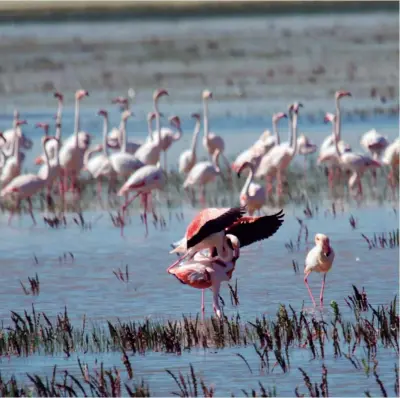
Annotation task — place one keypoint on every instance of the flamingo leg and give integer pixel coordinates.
(215, 289)
(98, 186)
(165, 162)
(13, 211)
(360, 189)
(123, 209)
(279, 183)
(321, 296)
(202, 302)
(30, 210)
(305, 167)
(145, 198)
(308, 287)
(330, 178)
(268, 184)
(203, 195)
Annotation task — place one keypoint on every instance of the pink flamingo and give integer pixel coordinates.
(209, 271)
(25, 186)
(9, 136)
(142, 182)
(188, 158)
(319, 259)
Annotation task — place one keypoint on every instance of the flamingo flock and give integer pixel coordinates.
(141, 167)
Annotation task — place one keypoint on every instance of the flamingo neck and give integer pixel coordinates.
(17, 135)
(77, 121)
(290, 136)
(293, 142)
(58, 120)
(150, 128)
(338, 126)
(216, 162)
(205, 119)
(47, 158)
(105, 132)
(194, 138)
(249, 179)
(275, 131)
(158, 121)
(123, 136)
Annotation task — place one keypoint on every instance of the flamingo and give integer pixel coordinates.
(252, 194)
(279, 157)
(53, 146)
(74, 147)
(391, 158)
(114, 137)
(26, 185)
(241, 233)
(203, 173)
(319, 259)
(143, 182)
(351, 161)
(206, 231)
(188, 158)
(211, 141)
(149, 152)
(12, 166)
(9, 136)
(122, 162)
(100, 165)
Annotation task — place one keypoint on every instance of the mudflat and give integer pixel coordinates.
(265, 60)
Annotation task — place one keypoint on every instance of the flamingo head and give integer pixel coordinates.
(102, 112)
(159, 93)
(322, 241)
(278, 116)
(175, 121)
(151, 116)
(196, 116)
(295, 107)
(207, 94)
(44, 126)
(342, 93)
(329, 117)
(234, 244)
(81, 94)
(120, 100)
(59, 96)
(126, 114)
(21, 122)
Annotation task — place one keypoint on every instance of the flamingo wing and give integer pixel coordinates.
(252, 229)
(212, 226)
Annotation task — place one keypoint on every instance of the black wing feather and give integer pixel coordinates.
(252, 229)
(216, 225)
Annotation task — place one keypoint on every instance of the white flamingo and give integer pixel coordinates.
(122, 162)
(9, 136)
(277, 160)
(12, 166)
(149, 152)
(53, 146)
(26, 185)
(74, 147)
(252, 194)
(391, 158)
(142, 182)
(374, 143)
(188, 158)
(203, 173)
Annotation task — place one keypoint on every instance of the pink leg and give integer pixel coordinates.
(98, 184)
(123, 209)
(202, 302)
(360, 189)
(13, 211)
(279, 184)
(203, 195)
(321, 296)
(308, 287)
(330, 179)
(268, 184)
(305, 167)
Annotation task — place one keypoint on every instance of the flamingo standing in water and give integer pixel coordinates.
(188, 158)
(351, 161)
(252, 194)
(12, 166)
(211, 141)
(122, 162)
(204, 272)
(74, 147)
(276, 161)
(25, 186)
(391, 158)
(149, 152)
(202, 174)
(142, 182)
(319, 259)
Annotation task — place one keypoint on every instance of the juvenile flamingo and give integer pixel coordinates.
(319, 259)
(26, 185)
(188, 158)
(252, 194)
